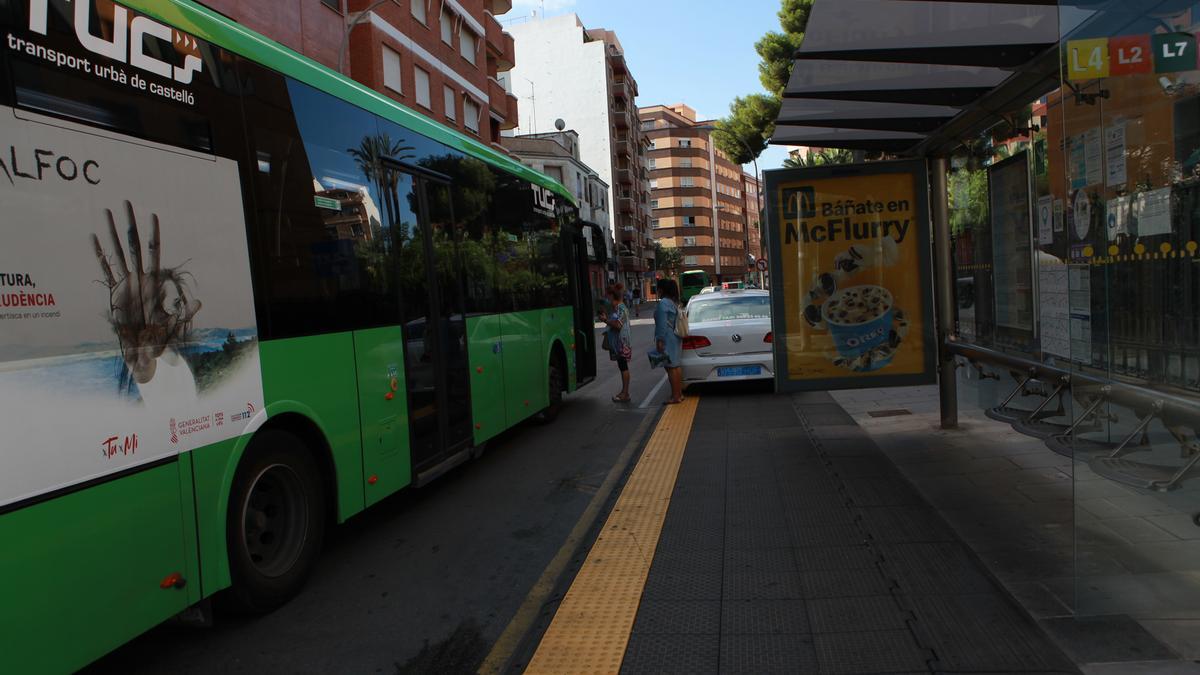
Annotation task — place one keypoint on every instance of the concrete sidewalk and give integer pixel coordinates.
(792, 544)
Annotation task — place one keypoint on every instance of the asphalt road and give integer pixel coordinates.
(427, 580)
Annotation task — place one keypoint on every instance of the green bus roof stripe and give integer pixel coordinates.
(222, 32)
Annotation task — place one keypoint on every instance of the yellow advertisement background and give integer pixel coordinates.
(810, 350)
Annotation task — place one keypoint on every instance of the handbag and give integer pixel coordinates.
(681, 323)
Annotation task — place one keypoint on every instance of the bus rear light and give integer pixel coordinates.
(696, 342)
(769, 337)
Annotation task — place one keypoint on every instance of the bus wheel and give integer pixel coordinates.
(276, 522)
(557, 382)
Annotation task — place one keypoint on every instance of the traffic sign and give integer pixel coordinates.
(762, 264)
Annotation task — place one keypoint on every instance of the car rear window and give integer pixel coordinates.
(730, 309)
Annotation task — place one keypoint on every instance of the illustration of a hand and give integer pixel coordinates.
(150, 308)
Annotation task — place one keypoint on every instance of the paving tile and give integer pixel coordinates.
(678, 616)
(893, 524)
(856, 614)
(982, 632)
(744, 561)
(844, 583)
(672, 560)
(933, 568)
(827, 535)
(1046, 458)
(787, 615)
(761, 585)
(877, 652)
(825, 558)
(1181, 635)
(683, 586)
(1106, 639)
(756, 654)
(1181, 525)
(887, 491)
(1038, 600)
(1137, 530)
(1048, 492)
(758, 537)
(861, 467)
(839, 431)
(665, 653)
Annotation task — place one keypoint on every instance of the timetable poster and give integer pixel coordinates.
(1012, 246)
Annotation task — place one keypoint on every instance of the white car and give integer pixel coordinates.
(729, 337)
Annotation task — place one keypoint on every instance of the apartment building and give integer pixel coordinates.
(442, 58)
(579, 75)
(753, 208)
(697, 195)
(556, 154)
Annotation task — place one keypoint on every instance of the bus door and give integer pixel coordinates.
(585, 332)
(434, 330)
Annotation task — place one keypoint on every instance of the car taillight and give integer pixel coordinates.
(695, 342)
(769, 337)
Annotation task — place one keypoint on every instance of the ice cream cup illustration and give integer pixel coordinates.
(860, 319)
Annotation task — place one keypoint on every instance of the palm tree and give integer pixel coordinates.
(369, 156)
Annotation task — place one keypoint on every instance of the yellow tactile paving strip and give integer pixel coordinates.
(591, 628)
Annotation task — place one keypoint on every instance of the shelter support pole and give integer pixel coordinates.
(944, 285)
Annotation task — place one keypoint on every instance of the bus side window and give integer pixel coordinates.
(324, 241)
(512, 209)
(472, 186)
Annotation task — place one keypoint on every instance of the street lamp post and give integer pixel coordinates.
(753, 158)
(358, 18)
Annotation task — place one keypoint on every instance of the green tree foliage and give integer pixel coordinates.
(669, 258)
(827, 156)
(746, 130)
(751, 119)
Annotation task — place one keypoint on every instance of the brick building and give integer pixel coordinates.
(441, 58)
(697, 195)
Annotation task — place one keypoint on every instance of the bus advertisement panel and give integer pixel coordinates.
(852, 251)
(125, 303)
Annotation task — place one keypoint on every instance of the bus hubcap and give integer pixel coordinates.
(275, 520)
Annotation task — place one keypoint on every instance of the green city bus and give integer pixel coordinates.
(241, 298)
(690, 283)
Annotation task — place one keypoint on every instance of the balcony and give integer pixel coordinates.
(623, 145)
(624, 176)
(499, 6)
(632, 263)
(497, 97)
(510, 115)
(621, 117)
(625, 205)
(500, 45)
(621, 90)
(617, 60)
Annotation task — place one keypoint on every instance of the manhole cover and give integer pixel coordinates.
(889, 413)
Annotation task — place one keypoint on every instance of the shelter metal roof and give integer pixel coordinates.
(903, 75)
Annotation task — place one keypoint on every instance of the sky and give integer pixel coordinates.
(698, 52)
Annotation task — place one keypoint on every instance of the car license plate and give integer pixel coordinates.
(739, 371)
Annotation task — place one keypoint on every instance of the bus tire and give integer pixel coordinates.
(276, 522)
(556, 382)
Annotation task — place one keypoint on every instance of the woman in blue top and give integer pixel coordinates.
(670, 344)
(618, 341)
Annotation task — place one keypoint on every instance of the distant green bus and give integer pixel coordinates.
(241, 298)
(690, 283)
